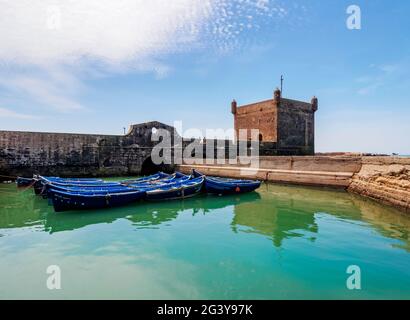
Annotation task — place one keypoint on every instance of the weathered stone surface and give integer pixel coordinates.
(385, 179)
(261, 115)
(305, 170)
(27, 153)
(61, 154)
(296, 125)
(312, 163)
(287, 123)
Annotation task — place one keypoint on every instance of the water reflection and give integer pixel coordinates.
(142, 215)
(20, 208)
(290, 211)
(274, 221)
(276, 212)
(23, 209)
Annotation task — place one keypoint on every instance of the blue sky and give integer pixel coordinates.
(98, 66)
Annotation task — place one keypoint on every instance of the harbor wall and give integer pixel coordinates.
(67, 154)
(384, 179)
(70, 154)
(303, 170)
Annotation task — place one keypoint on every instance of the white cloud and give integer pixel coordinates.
(389, 68)
(117, 32)
(370, 88)
(381, 75)
(7, 113)
(60, 39)
(110, 31)
(53, 88)
(262, 4)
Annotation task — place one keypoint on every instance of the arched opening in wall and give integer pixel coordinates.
(148, 167)
(260, 137)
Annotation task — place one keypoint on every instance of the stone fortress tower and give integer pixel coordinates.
(288, 124)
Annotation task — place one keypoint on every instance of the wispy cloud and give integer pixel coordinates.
(52, 88)
(369, 88)
(123, 32)
(65, 40)
(7, 113)
(381, 75)
(389, 68)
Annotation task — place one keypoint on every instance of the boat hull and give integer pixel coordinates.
(219, 187)
(51, 189)
(24, 182)
(177, 191)
(154, 177)
(227, 185)
(63, 201)
(38, 187)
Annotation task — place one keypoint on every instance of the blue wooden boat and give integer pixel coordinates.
(41, 181)
(144, 183)
(45, 182)
(41, 185)
(154, 177)
(101, 189)
(72, 180)
(117, 196)
(51, 189)
(177, 190)
(63, 201)
(219, 185)
(175, 177)
(24, 182)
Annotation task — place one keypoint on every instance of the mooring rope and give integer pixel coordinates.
(10, 177)
(29, 186)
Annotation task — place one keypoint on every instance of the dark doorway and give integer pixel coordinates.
(260, 136)
(148, 167)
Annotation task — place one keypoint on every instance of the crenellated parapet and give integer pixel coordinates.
(234, 106)
(314, 102)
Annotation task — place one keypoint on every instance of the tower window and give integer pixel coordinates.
(260, 137)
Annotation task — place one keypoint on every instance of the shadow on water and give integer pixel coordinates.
(277, 212)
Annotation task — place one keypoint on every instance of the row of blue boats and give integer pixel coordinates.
(88, 193)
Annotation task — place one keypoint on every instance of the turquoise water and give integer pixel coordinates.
(282, 242)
